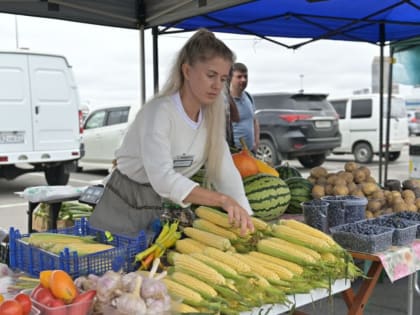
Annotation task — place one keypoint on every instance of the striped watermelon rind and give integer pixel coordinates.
(287, 171)
(300, 191)
(268, 195)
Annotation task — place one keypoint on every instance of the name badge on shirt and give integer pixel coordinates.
(183, 160)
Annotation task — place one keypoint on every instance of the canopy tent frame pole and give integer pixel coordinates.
(155, 37)
(381, 96)
(142, 66)
(389, 106)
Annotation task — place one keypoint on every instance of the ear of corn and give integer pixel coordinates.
(297, 247)
(300, 238)
(258, 269)
(207, 238)
(193, 283)
(284, 252)
(309, 230)
(205, 225)
(187, 295)
(81, 248)
(281, 272)
(188, 246)
(185, 308)
(214, 216)
(227, 258)
(197, 268)
(259, 224)
(220, 267)
(291, 266)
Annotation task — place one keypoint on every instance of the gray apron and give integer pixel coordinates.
(126, 207)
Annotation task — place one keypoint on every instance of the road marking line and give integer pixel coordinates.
(11, 205)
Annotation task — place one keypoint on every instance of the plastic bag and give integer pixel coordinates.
(51, 193)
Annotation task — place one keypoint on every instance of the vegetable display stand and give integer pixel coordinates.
(381, 261)
(299, 300)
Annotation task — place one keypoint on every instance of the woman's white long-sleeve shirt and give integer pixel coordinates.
(165, 148)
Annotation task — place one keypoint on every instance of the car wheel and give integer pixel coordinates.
(363, 153)
(393, 156)
(310, 161)
(267, 153)
(57, 175)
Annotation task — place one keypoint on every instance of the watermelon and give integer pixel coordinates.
(287, 171)
(300, 191)
(268, 195)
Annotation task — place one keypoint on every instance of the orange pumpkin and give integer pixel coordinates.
(245, 164)
(62, 286)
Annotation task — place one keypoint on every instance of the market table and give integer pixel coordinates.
(298, 300)
(398, 262)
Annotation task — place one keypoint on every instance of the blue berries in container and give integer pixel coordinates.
(345, 209)
(315, 214)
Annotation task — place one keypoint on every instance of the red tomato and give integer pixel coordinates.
(36, 289)
(11, 307)
(56, 307)
(25, 301)
(43, 296)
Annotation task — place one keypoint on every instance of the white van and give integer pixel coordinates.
(40, 121)
(359, 126)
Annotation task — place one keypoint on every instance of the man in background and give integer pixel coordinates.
(247, 126)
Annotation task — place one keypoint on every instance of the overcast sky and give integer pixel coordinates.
(105, 60)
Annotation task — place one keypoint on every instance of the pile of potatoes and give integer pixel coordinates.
(356, 180)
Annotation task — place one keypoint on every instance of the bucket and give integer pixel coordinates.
(315, 214)
(345, 209)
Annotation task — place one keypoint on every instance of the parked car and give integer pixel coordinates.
(301, 126)
(413, 122)
(104, 129)
(359, 125)
(40, 121)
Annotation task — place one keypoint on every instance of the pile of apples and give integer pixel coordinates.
(57, 294)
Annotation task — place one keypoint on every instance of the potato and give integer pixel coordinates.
(331, 178)
(318, 191)
(351, 187)
(318, 172)
(350, 166)
(321, 180)
(417, 203)
(359, 176)
(340, 190)
(408, 194)
(329, 189)
(369, 188)
(366, 170)
(374, 205)
(340, 181)
(368, 214)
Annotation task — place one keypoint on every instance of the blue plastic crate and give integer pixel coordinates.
(33, 260)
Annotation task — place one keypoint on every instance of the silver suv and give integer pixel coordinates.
(301, 126)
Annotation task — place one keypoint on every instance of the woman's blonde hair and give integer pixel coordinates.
(201, 47)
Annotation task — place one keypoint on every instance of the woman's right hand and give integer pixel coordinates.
(238, 216)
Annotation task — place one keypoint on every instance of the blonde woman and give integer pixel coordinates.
(172, 137)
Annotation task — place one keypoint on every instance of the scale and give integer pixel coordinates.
(92, 195)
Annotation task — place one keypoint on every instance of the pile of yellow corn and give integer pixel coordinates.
(217, 270)
(55, 243)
